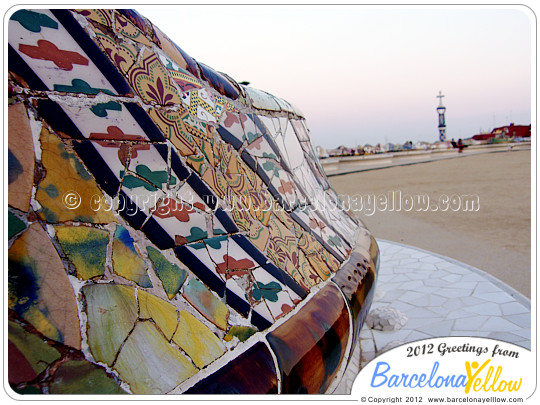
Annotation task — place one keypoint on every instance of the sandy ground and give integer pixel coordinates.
(494, 237)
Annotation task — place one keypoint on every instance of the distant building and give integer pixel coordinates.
(508, 131)
(321, 152)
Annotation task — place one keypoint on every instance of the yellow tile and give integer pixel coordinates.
(163, 313)
(197, 340)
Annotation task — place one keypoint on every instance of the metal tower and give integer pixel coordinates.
(442, 124)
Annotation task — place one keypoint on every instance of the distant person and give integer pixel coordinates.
(461, 145)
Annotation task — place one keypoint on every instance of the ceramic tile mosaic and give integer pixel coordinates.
(162, 218)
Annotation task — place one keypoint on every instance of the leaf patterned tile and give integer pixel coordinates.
(65, 56)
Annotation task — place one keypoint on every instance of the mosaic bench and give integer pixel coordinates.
(170, 230)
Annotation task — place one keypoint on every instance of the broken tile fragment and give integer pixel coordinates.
(20, 158)
(161, 312)
(200, 344)
(150, 364)
(28, 354)
(172, 277)
(243, 333)
(206, 303)
(111, 311)
(85, 247)
(126, 259)
(39, 289)
(81, 377)
(67, 191)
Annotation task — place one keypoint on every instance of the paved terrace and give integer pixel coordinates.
(440, 297)
(351, 164)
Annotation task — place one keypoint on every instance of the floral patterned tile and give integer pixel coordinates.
(182, 223)
(61, 60)
(103, 17)
(203, 105)
(151, 81)
(126, 28)
(122, 55)
(231, 129)
(173, 126)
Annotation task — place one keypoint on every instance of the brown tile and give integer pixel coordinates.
(311, 345)
(20, 158)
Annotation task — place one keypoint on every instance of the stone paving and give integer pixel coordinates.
(440, 297)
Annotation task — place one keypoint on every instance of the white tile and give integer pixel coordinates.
(417, 335)
(464, 285)
(500, 297)
(429, 300)
(452, 278)
(513, 308)
(487, 308)
(451, 292)
(459, 313)
(522, 320)
(467, 333)
(467, 301)
(409, 296)
(506, 337)
(435, 282)
(437, 329)
(498, 324)
(472, 323)
(421, 313)
(487, 287)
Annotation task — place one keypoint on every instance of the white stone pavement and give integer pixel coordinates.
(440, 297)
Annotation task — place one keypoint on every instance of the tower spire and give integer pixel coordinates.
(442, 124)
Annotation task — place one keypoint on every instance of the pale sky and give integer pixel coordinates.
(370, 74)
